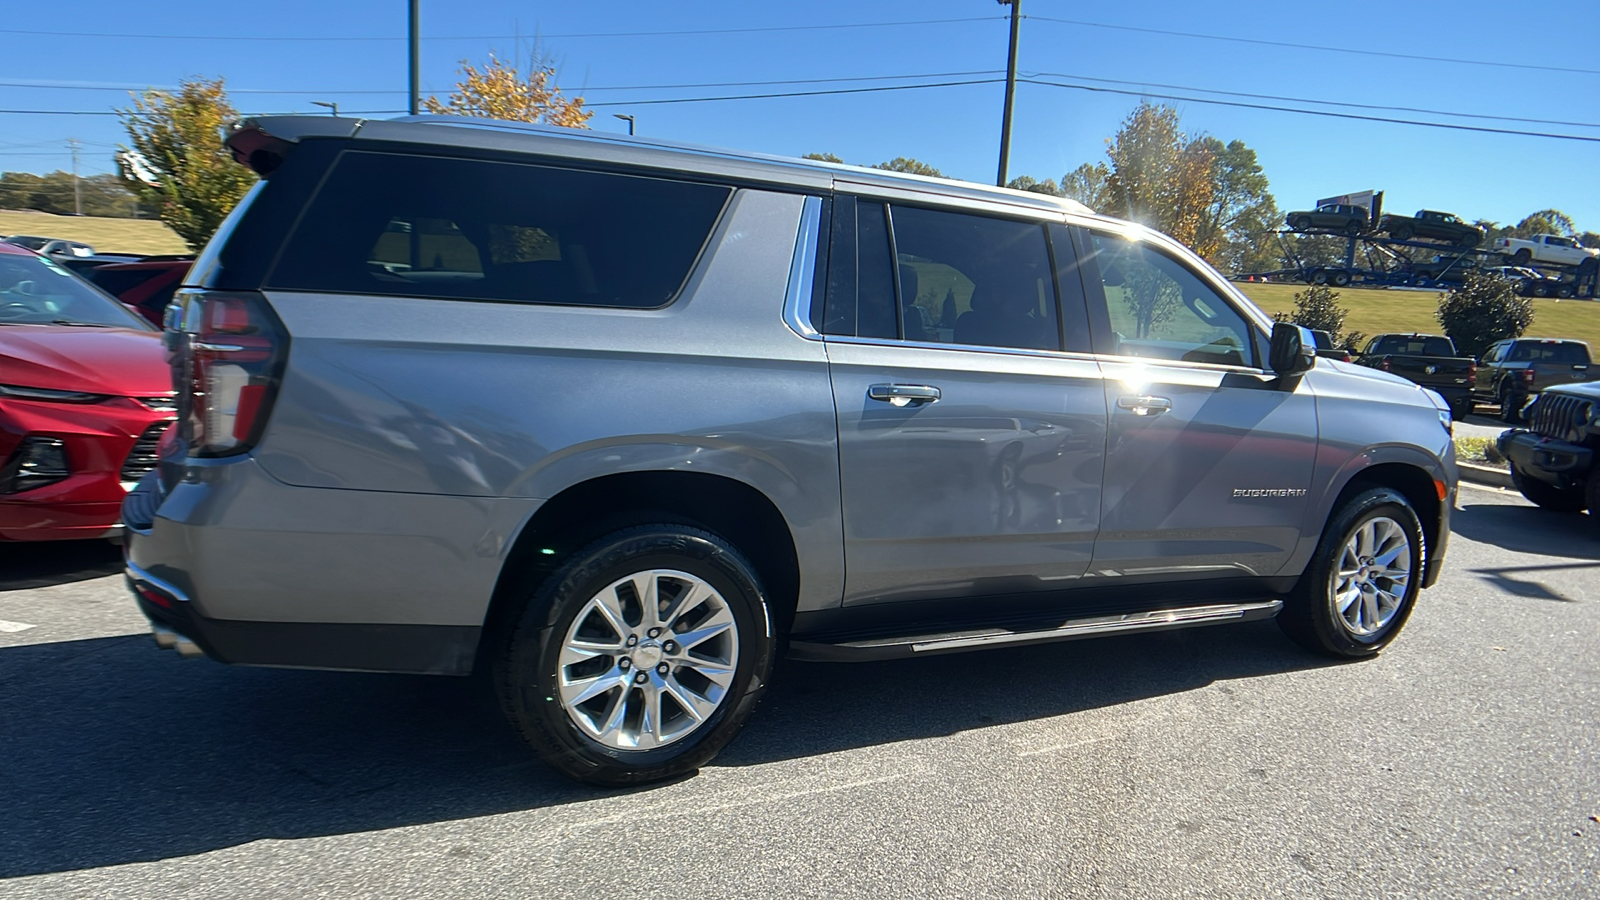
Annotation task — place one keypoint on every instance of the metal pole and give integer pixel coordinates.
(1011, 90)
(77, 190)
(628, 119)
(416, 53)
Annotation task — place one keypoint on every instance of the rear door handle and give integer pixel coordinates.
(1144, 404)
(904, 394)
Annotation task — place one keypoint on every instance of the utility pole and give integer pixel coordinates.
(77, 190)
(416, 53)
(1011, 90)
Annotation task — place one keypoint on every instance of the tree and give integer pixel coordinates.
(102, 195)
(1240, 220)
(1481, 310)
(823, 157)
(913, 166)
(1033, 185)
(1317, 307)
(1546, 221)
(1161, 178)
(501, 91)
(179, 138)
(1087, 185)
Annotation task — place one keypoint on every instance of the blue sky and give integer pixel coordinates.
(1509, 62)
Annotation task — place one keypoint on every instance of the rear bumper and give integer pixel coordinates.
(1556, 462)
(257, 572)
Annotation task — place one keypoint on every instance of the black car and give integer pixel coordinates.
(1351, 220)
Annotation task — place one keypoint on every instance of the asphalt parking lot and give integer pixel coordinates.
(1220, 762)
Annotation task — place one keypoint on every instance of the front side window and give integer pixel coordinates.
(968, 279)
(1160, 309)
(37, 290)
(474, 229)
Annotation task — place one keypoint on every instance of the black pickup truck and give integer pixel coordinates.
(1437, 226)
(1429, 360)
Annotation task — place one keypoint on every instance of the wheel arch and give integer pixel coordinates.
(588, 510)
(1419, 487)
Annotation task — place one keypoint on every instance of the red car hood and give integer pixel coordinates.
(117, 361)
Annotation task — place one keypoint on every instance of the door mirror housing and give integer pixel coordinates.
(1294, 349)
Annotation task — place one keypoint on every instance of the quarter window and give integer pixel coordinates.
(1159, 309)
(473, 229)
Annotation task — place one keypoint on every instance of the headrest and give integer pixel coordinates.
(908, 285)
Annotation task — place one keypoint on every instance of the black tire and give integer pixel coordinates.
(1565, 291)
(1469, 240)
(529, 670)
(1589, 265)
(1310, 616)
(1319, 276)
(1403, 233)
(1461, 407)
(1546, 495)
(1540, 289)
(1340, 278)
(1522, 257)
(1510, 404)
(1355, 228)
(1591, 497)
(1303, 223)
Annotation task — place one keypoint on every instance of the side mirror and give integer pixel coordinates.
(1294, 349)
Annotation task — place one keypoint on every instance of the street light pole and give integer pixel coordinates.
(1011, 90)
(628, 119)
(416, 53)
(332, 106)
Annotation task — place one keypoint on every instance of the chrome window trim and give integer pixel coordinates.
(803, 271)
(974, 348)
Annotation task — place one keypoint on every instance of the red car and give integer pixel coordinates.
(147, 285)
(85, 394)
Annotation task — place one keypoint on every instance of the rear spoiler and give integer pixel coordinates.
(261, 144)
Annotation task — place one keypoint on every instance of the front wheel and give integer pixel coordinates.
(1363, 579)
(1402, 233)
(1547, 496)
(640, 658)
(1522, 257)
(1302, 224)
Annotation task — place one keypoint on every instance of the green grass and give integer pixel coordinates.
(1375, 311)
(1474, 449)
(105, 235)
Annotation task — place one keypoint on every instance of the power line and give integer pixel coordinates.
(863, 90)
(1411, 109)
(1316, 112)
(1321, 47)
(501, 37)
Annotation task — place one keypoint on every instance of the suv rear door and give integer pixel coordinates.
(1208, 457)
(971, 445)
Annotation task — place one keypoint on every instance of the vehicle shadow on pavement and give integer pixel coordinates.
(118, 752)
(1528, 529)
(25, 565)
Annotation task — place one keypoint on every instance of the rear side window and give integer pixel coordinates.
(479, 230)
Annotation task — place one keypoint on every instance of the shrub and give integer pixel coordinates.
(1481, 310)
(1317, 307)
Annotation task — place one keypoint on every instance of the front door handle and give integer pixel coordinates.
(904, 394)
(1144, 404)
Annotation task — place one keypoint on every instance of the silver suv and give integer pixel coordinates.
(623, 421)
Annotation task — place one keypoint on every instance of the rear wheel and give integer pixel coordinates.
(1522, 257)
(1302, 224)
(1340, 278)
(1565, 291)
(1363, 579)
(1403, 233)
(1355, 228)
(1510, 404)
(1546, 495)
(1540, 289)
(1319, 276)
(640, 658)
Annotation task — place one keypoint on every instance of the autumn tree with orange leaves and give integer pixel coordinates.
(1162, 178)
(500, 90)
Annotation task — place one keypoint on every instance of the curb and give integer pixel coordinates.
(1488, 475)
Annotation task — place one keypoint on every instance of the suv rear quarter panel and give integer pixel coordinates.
(393, 397)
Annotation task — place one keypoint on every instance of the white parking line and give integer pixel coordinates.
(14, 627)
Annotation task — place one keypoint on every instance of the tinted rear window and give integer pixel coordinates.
(472, 229)
(115, 281)
(1400, 345)
(1561, 354)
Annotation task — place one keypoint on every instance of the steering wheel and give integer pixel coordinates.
(16, 310)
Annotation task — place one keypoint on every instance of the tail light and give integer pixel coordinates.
(1527, 375)
(1384, 364)
(227, 352)
(1472, 373)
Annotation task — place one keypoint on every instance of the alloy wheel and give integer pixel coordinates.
(1369, 583)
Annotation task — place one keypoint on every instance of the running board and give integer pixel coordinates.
(982, 639)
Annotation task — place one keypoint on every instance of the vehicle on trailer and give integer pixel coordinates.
(1547, 248)
(1447, 270)
(1428, 360)
(1438, 226)
(1554, 460)
(50, 246)
(1525, 281)
(1327, 349)
(620, 420)
(1332, 217)
(85, 393)
(1514, 371)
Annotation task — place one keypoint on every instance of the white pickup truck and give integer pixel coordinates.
(1546, 248)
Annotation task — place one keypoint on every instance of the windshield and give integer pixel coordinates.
(32, 243)
(38, 291)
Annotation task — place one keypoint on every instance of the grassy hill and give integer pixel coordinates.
(106, 235)
(1373, 311)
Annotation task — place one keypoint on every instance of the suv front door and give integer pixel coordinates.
(971, 446)
(1209, 458)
